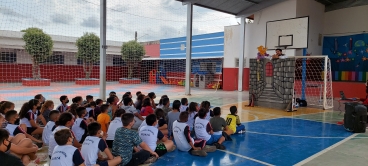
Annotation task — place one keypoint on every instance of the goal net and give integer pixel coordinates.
(313, 81)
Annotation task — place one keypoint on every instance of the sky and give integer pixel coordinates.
(152, 19)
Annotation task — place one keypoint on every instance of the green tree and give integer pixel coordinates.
(88, 51)
(132, 53)
(39, 45)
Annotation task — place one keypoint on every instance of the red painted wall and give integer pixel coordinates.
(351, 89)
(230, 79)
(153, 50)
(15, 72)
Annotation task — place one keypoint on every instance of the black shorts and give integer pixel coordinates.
(103, 163)
(30, 130)
(161, 149)
(109, 143)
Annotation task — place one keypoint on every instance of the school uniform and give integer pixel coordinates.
(150, 135)
(14, 129)
(52, 142)
(80, 129)
(181, 132)
(88, 110)
(62, 108)
(183, 108)
(145, 124)
(66, 155)
(91, 146)
(115, 124)
(47, 130)
(202, 127)
(28, 118)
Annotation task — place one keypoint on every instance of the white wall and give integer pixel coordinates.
(316, 12)
(255, 33)
(346, 21)
(232, 45)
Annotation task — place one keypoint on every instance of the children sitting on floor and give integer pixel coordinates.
(129, 108)
(219, 124)
(65, 154)
(104, 118)
(203, 130)
(6, 158)
(114, 124)
(29, 114)
(234, 122)
(64, 104)
(95, 143)
(54, 115)
(80, 125)
(173, 116)
(185, 142)
(146, 107)
(184, 104)
(166, 105)
(46, 109)
(151, 136)
(65, 121)
(5, 106)
(122, 147)
(162, 124)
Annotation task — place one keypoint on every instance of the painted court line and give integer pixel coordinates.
(300, 136)
(245, 157)
(325, 150)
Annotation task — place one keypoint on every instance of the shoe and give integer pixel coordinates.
(209, 148)
(201, 153)
(219, 146)
(39, 145)
(241, 131)
(227, 137)
(152, 159)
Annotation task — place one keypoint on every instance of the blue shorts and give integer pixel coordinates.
(103, 163)
(213, 139)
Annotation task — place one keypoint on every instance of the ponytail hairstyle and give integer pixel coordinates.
(5, 105)
(26, 107)
(192, 107)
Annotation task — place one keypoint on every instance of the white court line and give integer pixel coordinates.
(245, 157)
(324, 151)
(300, 136)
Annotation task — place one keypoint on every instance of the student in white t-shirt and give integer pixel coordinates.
(94, 144)
(129, 108)
(80, 125)
(65, 121)
(184, 104)
(185, 142)
(114, 124)
(64, 104)
(65, 154)
(54, 115)
(150, 135)
(203, 130)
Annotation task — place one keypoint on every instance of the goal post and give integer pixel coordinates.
(313, 81)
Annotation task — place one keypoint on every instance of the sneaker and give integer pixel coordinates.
(209, 148)
(39, 145)
(152, 159)
(198, 153)
(219, 146)
(241, 131)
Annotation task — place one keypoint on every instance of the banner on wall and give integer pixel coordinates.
(348, 55)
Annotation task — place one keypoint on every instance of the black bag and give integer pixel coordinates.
(355, 118)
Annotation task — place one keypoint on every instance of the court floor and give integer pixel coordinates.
(308, 136)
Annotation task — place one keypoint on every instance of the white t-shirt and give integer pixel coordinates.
(62, 108)
(183, 108)
(91, 146)
(145, 124)
(114, 125)
(79, 127)
(133, 110)
(52, 142)
(150, 135)
(190, 121)
(29, 116)
(208, 115)
(180, 139)
(200, 126)
(66, 155)
(47, 131)
(88, 109)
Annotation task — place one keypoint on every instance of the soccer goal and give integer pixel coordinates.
(313, 81)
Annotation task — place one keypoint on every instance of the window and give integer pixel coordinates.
(54, 59)
(117, 61)
(8, 57)
(269, 69)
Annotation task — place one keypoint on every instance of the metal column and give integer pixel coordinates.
(103, 48)
(188, 67)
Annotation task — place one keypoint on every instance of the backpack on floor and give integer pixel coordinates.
(355, 117)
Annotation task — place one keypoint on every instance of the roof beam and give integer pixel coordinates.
(257, 7)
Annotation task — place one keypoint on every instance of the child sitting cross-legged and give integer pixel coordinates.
(65, 154)
(185, 142)
(80, 125)
(54, 115)
(234, 122)
(219, 125)
(95, 143)
(204, 130)
(114, 124)
(150, 135)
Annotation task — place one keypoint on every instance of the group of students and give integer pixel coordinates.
(137, 133)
